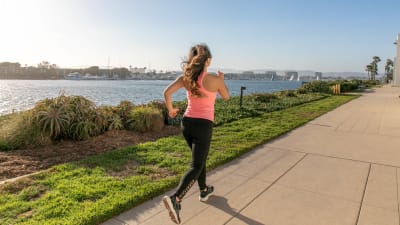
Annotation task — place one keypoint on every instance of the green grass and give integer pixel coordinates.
(85, 193)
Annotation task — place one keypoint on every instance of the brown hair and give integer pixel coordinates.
(193, 67)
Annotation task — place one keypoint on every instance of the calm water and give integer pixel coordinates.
(20, 95)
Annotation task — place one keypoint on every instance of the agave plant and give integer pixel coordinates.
(82, 130)
(50, 116)
(115, 123)
(52, 121)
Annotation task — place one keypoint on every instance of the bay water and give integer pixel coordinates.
(18, 95)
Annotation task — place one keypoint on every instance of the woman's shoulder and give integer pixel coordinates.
(213, 77)
(211, 82)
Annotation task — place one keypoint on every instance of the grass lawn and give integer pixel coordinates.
(95, 189)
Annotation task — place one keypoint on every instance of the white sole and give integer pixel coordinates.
(206, 198)
(168, 205)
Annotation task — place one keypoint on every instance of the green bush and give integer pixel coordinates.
(109, 119)
(67, 117)
(317, 86)
(349, 85)
(17, 131)
(264, 97)
(301, 90)
(4, 146)
(51, 116)
(287, 93)
(371, 83)
(159, 104)
(123, 110)
(145, 119)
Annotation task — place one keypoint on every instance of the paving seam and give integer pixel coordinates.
(321, 194)
(266, 189)
(362, 199)
(335, 157)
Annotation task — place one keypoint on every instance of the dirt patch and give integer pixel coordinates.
(27, 161)
(130, 169)
(15, 187)
(27, 214)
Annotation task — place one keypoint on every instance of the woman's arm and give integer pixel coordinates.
(171, 89)
(222, 88)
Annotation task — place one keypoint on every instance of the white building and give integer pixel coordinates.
(136, 70)
(396, 72)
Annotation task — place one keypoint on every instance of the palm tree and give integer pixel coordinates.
(368, 68)
(374, 64)
(389, 69)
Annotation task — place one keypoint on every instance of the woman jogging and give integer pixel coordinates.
(201, 89)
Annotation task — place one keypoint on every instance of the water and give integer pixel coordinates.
(17, 95)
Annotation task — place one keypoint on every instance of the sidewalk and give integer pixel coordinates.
(342, 168)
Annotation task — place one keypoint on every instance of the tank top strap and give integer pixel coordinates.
(201, 78)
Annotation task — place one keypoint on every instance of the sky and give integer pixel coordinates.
(318, 35)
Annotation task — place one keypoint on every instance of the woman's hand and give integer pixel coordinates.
(222, 88)
(172, 113)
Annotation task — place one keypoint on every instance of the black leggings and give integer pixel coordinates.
(197, 133)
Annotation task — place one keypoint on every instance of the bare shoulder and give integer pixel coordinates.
(212, 82)
(213, 77)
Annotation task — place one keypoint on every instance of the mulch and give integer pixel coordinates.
(26, 161)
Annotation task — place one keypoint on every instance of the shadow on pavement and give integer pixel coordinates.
(221, 203)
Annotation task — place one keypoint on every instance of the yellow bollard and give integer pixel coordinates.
(335, 89)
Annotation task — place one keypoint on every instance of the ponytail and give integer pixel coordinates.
(194, 67)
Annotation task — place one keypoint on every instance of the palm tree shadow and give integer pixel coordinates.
(221, 203)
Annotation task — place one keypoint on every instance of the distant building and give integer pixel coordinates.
(318, 76)
(270, 75)
(248, 75)
(291, 75)
(9, 68)
(136, 70)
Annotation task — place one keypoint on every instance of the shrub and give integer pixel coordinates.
(264, 97)
(17, 131)
(144, 119)
(67, 117)
(317, 86)
(123, 110)
(4, 146)
(301, 90)
(51, 117)
(370, 83)
(287, 93)
(346, 85)
(159, 104)
(108, 119)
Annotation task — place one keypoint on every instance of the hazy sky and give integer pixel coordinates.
(320, 35)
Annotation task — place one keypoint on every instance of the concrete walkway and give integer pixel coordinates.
(342, 168)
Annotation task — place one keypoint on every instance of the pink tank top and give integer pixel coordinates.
(201, 107)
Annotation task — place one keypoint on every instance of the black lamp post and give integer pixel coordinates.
(241, 95)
